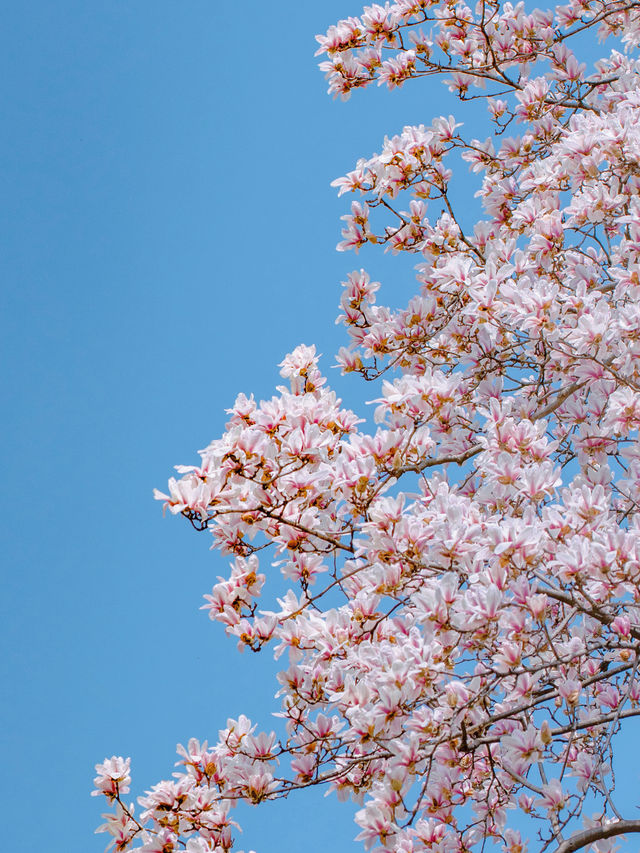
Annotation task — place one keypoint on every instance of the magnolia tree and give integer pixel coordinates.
(460, 629)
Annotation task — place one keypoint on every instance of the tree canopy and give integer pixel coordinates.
(460, 630)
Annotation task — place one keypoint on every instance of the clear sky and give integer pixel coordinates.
(168, 235)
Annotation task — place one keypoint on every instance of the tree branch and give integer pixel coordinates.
(597, 833)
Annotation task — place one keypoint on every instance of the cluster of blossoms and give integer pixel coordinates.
(474, 46)
(461, 626)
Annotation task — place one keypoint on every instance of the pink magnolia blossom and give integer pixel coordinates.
(113, 777)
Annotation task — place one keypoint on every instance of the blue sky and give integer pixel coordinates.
(168, 235)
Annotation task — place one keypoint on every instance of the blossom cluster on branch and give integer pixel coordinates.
(461, 627)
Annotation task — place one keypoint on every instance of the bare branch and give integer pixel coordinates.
(597, 833)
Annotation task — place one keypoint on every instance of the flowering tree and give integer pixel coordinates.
(460, 629)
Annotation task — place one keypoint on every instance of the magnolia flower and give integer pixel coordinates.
(113, 777)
